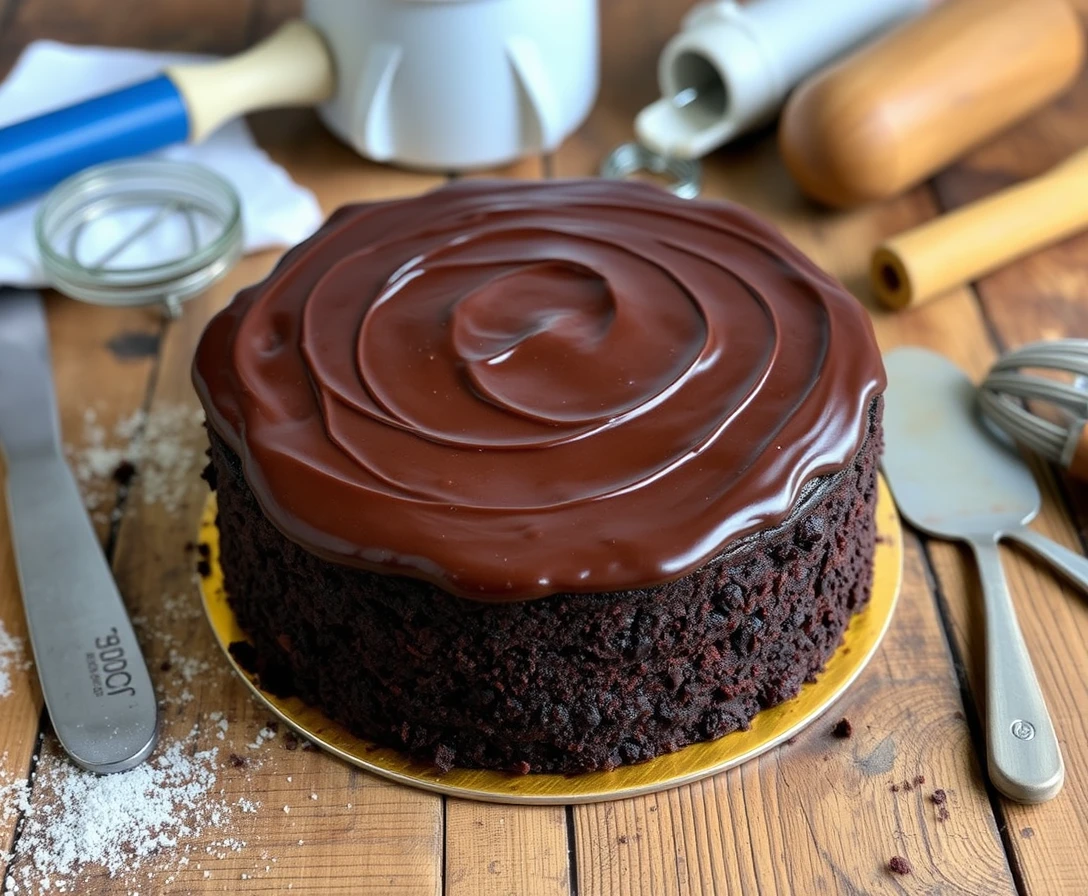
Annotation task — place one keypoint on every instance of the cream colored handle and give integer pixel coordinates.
(961, 246)
(292, 67)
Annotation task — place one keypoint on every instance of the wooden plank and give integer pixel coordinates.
(20, 699)
(530, 168)
(296, 139)
(1040, 297)
(103, 360)
(498, 850)
(268, 15)
(200, 26)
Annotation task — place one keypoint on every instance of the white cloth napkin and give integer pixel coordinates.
(275, 210)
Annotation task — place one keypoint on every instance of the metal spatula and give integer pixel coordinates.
(952, 479)
(92, 673)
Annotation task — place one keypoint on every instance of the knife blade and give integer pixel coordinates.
(93, 675)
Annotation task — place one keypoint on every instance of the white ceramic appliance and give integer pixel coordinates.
(437, 84)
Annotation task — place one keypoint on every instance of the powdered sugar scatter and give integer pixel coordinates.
(11, 657)
(117, 820)
(265, 734)
(164, 446)
(77, 821)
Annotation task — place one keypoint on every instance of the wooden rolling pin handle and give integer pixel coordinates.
(291, 67)
(962, 245)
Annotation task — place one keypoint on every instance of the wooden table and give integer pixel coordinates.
(815, 816)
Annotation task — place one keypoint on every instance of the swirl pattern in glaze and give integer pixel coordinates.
(519, 389)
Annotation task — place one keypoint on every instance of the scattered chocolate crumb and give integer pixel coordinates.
(204, 568)
(843, 729)
(622, 838)
(308, 747)
(190, 546)
(959, 715)
(1027, 833)
(899, 865)
(273, 726)
(123, 472)
(939, 797)
(919, 780)
(894, 788)
(942, 814)
(653, 808)
(237, 761)
(791, 741)
(290, 741)
(907, 786)
(204, 549)
(165, 666)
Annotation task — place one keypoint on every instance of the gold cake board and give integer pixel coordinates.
(768, 729)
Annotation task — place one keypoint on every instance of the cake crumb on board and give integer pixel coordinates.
(899, 865)
(843, 729)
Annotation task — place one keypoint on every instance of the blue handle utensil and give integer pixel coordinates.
(185, 103)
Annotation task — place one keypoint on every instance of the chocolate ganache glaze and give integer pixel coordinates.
(524, 388)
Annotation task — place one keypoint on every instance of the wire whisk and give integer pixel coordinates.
(1009, 385)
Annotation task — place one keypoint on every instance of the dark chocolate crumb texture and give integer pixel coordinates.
(543, 476)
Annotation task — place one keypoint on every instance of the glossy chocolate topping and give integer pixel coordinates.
(521, 388)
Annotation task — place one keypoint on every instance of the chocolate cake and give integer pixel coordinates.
(543, 476)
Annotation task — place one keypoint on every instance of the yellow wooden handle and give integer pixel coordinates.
(961, 246)
(292, 67)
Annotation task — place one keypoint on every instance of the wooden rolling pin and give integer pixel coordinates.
(965, 244)
(893, 113)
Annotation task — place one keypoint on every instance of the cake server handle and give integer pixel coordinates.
(1069, 563)
(92, 673)
(1024, 760)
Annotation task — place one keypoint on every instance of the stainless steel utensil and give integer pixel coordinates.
(92, 674)
(953, 480)
(1007, 386)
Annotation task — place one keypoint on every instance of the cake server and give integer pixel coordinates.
(92, 674)
(951, 479)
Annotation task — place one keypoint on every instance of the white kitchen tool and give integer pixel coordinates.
(731, 66)
(438, 84)
(447, 84)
